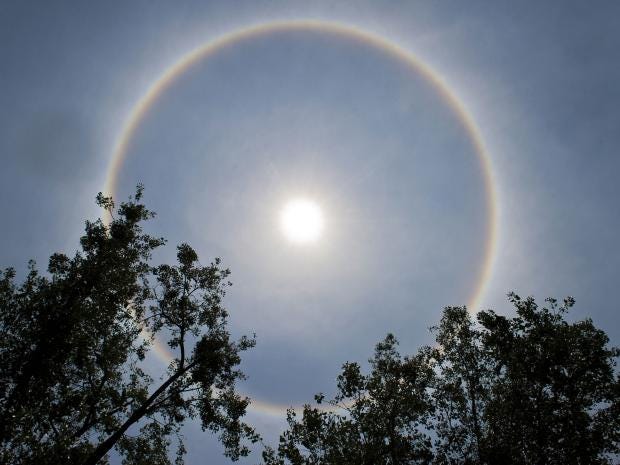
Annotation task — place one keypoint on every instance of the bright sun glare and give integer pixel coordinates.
(301, 221)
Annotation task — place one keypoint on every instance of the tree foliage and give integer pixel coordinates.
(554, 398)
(377, 417)
(72, 343)
(528, 389)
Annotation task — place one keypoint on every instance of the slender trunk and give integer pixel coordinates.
(392, 429)
(103, 448)
(476, 421)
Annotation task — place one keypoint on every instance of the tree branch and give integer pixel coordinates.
(103, 448)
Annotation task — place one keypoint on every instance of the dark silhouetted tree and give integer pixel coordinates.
(531, 389)
(374, 419)
(72, 342)
(554, 397)
(460, 392)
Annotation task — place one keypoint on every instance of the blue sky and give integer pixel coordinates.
(343, 123)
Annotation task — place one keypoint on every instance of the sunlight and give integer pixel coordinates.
(301, 221)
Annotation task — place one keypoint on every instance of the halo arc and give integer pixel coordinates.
(203, 52)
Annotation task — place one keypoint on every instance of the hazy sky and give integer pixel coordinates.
(341, 122)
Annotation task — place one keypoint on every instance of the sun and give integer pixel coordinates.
(301, 221)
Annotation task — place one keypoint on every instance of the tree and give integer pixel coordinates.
(460, 391)
(531, 389)
(375, 419)
(71, 345)
(554, 397)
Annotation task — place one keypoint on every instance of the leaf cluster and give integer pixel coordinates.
(533, 388)
(73, 341)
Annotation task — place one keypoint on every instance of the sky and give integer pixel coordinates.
(361, 132)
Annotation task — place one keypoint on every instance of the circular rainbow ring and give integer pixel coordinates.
(209, 49)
